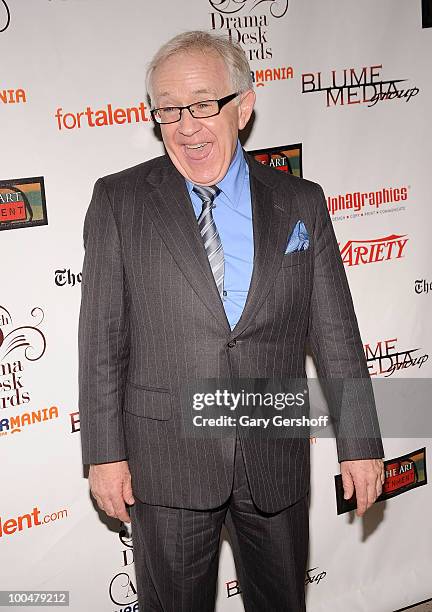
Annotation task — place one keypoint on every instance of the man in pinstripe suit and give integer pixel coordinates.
(204, 264)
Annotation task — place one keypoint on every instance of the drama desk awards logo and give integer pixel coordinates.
(20, 346)
(286, 158)
(122, 587)
(22, 203)
(4, 16)
(247, 22)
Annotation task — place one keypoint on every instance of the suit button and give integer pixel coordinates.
(232, 343)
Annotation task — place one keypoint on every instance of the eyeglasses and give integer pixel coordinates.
(199, 110)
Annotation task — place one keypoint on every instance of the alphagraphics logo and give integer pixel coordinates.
(365, 203)
(357, 86)
(286, 158)
(245, 25)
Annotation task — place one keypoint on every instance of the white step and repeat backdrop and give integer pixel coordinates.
(343, 98)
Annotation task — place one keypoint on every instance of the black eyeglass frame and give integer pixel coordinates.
(221, 103)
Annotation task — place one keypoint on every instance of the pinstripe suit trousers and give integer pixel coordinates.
(176, 552)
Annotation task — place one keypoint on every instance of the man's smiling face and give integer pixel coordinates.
(200, 149)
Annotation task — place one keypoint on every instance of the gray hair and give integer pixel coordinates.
(232, 54)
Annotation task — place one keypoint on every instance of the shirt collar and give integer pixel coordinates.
(232, 183)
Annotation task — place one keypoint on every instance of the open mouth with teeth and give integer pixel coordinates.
(199, 151)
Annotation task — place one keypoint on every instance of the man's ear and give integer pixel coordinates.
(247, 102)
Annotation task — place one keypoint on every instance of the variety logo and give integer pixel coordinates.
(367, 202)
(287, 158)
(29, 520)
(422, 286)
(247, 22)
(66, 277)
(12, 96)
(402, 474)
(385, 358)
(4, 16)
(314, 578)
(357, 86)
(101, 117)
(22, 203)
(263, 76)
(356, 252)
(122, 590)
(26, 341)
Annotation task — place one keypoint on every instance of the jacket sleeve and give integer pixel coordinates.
(337, 348)
(103, 336)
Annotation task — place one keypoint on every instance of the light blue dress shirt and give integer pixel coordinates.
(233, 217)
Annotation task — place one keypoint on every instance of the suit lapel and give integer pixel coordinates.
(172, 212)
(272, 220)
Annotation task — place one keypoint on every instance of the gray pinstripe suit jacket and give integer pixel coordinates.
(151, 320)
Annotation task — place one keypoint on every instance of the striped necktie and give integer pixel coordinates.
(210, 234)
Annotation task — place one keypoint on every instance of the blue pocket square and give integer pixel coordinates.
(299, 239)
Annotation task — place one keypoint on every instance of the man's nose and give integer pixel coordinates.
(188, 125)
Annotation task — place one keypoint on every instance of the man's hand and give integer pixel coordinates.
(111, 486)
(366, 476)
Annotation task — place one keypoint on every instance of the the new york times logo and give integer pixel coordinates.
(423, 286)
(357, 86)
(247, 26)
(66, 277)
(4, 16)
